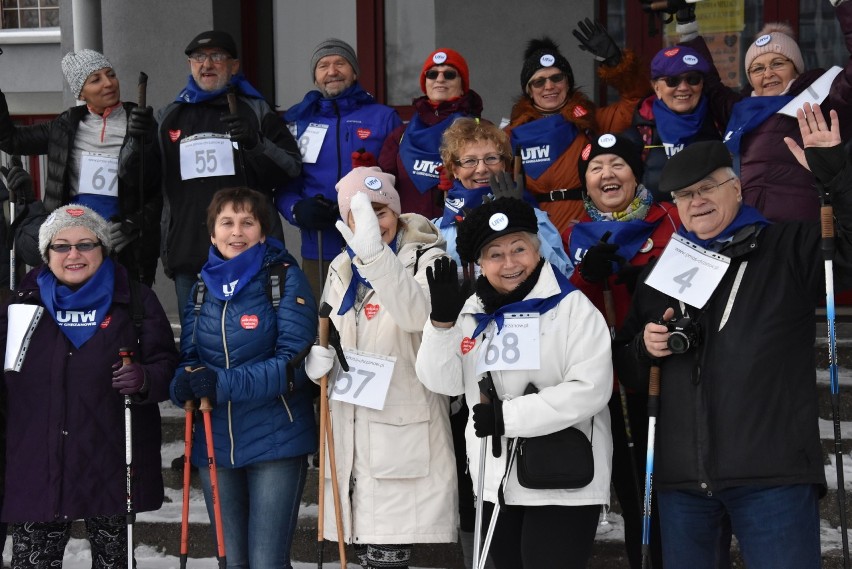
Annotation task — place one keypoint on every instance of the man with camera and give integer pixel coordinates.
(727, 313)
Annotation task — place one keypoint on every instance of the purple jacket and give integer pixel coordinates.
(65, 423)
(772, 179)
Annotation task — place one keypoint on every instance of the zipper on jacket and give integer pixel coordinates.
(286, 407)
(227, 366)
(337, 139)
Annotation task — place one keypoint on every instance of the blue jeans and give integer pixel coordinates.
(183, 288)
(260, 510)
(777, 526)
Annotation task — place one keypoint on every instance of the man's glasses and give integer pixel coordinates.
(774, 65)
(448, 74)
(556, 78)
(686, 196)
(215, 57)
(490, 160)
(692, 79)
(84, 247)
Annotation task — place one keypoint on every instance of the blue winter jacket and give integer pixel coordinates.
(256, 417)
(355, 121)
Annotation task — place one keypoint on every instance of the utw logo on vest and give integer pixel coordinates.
(228, 289)
(672, 149)
(77, 317)
(426, 167)
(535, 154)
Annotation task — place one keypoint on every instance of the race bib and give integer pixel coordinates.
(206, 155)
(98, 174)
(515, 347)
(311, 141)
(367, 381)
(687, 272)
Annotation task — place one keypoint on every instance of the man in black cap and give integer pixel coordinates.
(331, 122)
(206, 147)
(727, 313)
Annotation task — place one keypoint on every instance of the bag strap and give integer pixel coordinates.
(277, 274)
(137, 309)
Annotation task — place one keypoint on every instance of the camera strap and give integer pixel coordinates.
(732, 296)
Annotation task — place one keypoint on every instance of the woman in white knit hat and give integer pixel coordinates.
(392, 442)
(753, 126)
(95, 156)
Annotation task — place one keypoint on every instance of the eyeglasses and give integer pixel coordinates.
(468, 163)
(84, 247)
(774, 65)
(686, 196)
(448, 74)
(215, 57)
(690, 78)
(556, 78)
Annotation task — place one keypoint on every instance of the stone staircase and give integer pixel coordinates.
(161, 529)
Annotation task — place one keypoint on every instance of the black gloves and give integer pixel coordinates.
(595, 39)
(20, 183)
(241, 130)
(447, 295)
(316, 213)
(596, 265)
(488, 419)
(142, 123)
(502, 186)
(183, 390)
(203, 383)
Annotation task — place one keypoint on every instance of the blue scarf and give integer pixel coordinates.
(353, 97)
(677, 130)
(352, 290)
(749, 114)
(226, 277)
(460, 201)
(746, 216)
(419, 153)
(542, 142)
(192, 93)
(539, 305)
(628, 235)
(78, 313)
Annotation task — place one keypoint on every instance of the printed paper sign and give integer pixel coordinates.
(367, 381)
(687, 272)
(516, 347)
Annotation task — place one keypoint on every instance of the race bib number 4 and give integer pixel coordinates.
(687, 272)
(206, 155)
(367, 381)
(515, 347)
(310, 142)
(98, 174)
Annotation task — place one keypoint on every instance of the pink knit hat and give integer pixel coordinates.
(775, 37)
(378, 185)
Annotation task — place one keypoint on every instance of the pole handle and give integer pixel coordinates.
(654, 381)
(205, 406)
(232, 98)
(143, 90)
(826, 218)
(324, 327)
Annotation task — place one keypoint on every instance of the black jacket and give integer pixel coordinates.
(142, 208)
(741, 408)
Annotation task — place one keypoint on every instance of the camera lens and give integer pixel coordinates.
(678, 342)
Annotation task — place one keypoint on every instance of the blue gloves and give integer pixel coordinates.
(203, 383)
(182, 389)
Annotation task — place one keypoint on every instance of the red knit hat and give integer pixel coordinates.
(445, 56)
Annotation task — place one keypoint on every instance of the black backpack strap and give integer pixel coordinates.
(200, 292)
(137, 309)
(275, 283)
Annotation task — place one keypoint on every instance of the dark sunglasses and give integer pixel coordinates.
(449, 74)
(81, 247)
(690, 78)
(555, 79)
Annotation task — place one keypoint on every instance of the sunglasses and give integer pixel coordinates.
(692, 79)
(81, 247)
(555, 79)
(448, 74)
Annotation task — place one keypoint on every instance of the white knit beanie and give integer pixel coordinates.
(73, 215)
(77, 66)
(776, 37)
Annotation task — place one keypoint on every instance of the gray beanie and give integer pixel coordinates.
(333, 46)
(77, 66)
(73, 215)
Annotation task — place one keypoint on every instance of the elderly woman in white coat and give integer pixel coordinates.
(547, 351)
(393, 448)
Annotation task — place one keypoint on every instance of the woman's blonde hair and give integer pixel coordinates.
(467, 130)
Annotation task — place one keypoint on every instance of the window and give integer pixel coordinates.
(18, 14)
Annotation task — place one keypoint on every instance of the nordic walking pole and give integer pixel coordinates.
(325, 311)
(206, 407)
(126, 356)
(325, 417)
(143, 102)
(653, 408)
(232, 108)
(189, 409)
(486, 392)
(13, 203)
(319, 262)
(827, 223)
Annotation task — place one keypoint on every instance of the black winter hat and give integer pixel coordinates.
(213, 38)
(542, 53)
(611, 144)
(694, 163)
(490, 221)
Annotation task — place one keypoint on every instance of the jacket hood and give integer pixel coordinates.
(419, 231)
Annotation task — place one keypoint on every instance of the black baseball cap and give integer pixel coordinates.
(213, 38)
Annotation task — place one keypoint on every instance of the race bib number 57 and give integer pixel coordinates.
(367, 381)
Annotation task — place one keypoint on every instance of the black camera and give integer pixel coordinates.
(683, 334)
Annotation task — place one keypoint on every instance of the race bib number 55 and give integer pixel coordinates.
(206, 155)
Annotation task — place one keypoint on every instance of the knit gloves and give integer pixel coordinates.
(366, 242)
